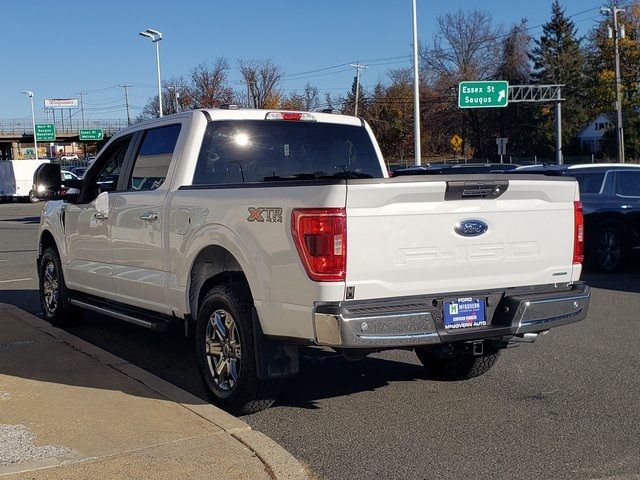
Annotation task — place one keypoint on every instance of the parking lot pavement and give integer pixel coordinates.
(72, 410)
(566, 407)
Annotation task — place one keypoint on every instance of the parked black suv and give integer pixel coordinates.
(610, 194)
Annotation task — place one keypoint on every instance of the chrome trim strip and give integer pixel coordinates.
(418, 336)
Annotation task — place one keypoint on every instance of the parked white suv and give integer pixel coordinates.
(261, 231)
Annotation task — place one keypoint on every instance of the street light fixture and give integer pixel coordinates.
(155, 37)
(29, 94)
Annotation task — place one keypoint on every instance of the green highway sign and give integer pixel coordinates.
(45, 132)
(91, 134)
(490, 94)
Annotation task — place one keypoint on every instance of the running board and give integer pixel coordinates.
(125, 314)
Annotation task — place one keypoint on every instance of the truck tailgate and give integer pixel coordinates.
(402, 237)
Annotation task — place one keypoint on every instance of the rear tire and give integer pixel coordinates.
(226, 354)
(609, 250)
(444, 363)
(54, 295)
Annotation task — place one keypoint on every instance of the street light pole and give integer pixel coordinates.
(416, 89)
(29, 94)
(155, 37)
(159, 81)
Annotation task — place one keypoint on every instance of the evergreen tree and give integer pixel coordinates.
(558, 59)
(350, 100)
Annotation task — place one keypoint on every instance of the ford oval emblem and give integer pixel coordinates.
(471, 228)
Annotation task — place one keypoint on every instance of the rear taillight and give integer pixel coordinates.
(578, 236)
(320, 235)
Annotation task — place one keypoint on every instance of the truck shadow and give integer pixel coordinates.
(623, 282)
(323, 373)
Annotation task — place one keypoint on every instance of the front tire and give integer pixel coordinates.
(32, 197)
(54, 296)
(445, 363)
(225, 351)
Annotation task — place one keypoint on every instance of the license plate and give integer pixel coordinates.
(464, 313)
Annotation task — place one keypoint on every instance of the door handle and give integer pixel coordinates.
(149, 216)
(100, 216)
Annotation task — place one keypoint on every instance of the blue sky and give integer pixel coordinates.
(59, 48)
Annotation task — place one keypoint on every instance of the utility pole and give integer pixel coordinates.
(416, 89)
(176, 96)
(358, 68)
(126, 101)
(617, 33)
(82, 94)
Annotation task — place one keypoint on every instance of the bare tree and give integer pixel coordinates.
(263, 79)
(311, 98)
(466, 47)
(210, 86)
(294, 101)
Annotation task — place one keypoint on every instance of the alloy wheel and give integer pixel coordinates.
(609, 250)
(223, 349)
(51, 287)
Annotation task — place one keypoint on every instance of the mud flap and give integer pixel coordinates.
(274, 361)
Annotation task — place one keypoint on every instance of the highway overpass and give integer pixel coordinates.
(17, 134)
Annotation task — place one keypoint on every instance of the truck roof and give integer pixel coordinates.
(250, 114)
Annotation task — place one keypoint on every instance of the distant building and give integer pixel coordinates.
(592, 136)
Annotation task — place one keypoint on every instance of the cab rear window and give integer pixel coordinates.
(248, 151)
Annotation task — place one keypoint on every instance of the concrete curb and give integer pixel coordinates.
(279, 463)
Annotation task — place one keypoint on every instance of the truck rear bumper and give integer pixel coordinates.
(409, 322)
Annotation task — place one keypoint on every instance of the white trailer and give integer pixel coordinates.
(16, 178)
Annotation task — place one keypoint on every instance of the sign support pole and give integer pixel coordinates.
(559, 159)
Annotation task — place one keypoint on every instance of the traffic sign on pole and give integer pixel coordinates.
(490, 94)
(45, 132)
(91, 134)
(456, 142)
(502, 147)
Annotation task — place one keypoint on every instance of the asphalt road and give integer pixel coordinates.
(567, 407)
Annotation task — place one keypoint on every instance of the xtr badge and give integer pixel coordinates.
(265, 214)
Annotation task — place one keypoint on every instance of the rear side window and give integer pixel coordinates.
(246, 151)
(589, 182)
(152, 162)
(628, 184)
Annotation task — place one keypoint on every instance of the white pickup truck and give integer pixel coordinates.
(262, 231)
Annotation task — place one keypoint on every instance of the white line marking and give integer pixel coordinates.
(2, 261)
(17, 280)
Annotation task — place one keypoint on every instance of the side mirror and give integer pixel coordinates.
(47, 181)
(102, 203)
